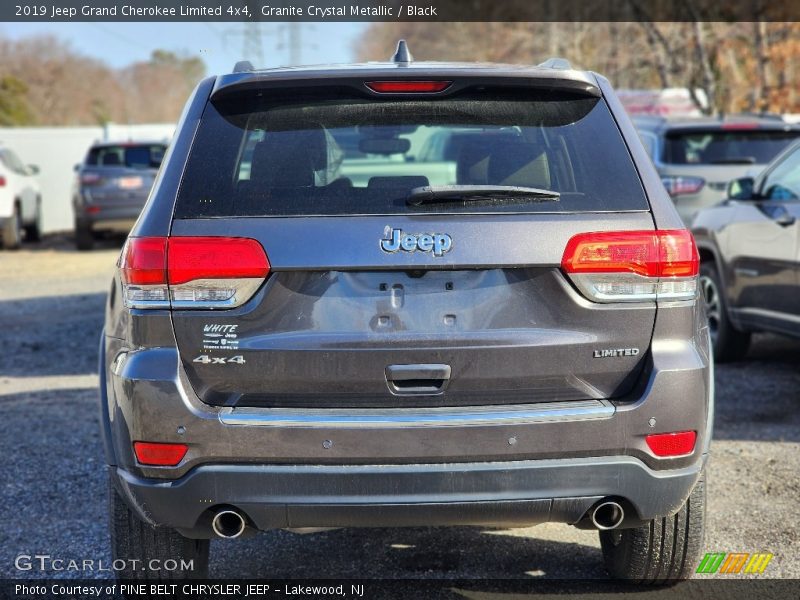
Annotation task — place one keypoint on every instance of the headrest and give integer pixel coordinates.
(519, 163)
(289, 158)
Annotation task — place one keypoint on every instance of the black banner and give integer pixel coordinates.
(724, 587)
(402, 10)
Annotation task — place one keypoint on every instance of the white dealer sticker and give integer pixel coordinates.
(220, 337)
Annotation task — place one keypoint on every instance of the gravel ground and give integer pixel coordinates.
(52, 490)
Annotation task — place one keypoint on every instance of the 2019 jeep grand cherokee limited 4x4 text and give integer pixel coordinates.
(287, 347)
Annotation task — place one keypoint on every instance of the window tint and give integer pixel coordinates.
(132, 156)
(783, 183)
(719, 147)
(308, 156)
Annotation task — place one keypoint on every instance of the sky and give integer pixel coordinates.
(220, 45)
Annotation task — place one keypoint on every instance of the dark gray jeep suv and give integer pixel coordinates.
(520, 343)
(111, 187)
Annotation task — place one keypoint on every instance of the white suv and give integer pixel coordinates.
(20, 201)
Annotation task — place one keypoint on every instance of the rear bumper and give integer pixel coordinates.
(117, 225)
(513, 493)
(121, 221)
(485, 465)
(147, 397)
(112, 214)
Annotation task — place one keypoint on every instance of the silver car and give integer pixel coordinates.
(696, 158)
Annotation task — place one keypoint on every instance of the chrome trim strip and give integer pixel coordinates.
(521, 414)
(243, 289)
(746, 272)
(769, 314)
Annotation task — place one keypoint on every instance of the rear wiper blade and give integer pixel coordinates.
(456, 193)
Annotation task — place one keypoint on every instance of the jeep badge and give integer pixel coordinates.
(438, 243)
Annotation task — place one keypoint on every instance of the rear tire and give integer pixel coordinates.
(33, 232)
(133, 540)
(12, 231)
(728, 343)
(84, 237)
(663, 551)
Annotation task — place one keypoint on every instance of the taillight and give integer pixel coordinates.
(191, 272)
(681, 186)
(633, 266)
(159, 454)
(678, 443)
(408, 87)
(2, 181)
(143, 271)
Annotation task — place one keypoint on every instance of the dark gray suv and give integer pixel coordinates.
(750, 251)
(111, 187)
(285, 348)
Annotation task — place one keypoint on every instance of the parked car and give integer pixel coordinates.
(285, 348)
(698, 157)
(20, 201)
(750, 257)
(111, 187)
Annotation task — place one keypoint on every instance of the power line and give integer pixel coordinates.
(120, 36)
(252, 41)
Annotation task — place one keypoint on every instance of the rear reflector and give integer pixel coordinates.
(408, 87)
(678, 443)
(191, 272)
(159, 454)
(633, 266)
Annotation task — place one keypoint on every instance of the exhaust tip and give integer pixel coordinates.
(607, 515)
(228, 524)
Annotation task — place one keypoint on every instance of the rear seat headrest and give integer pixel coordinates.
(289, 158)
(519, 163)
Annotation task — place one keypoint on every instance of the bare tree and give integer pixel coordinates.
(64, 87)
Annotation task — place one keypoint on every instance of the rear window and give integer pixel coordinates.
(720, 147)
(132, 156)
(277, 156)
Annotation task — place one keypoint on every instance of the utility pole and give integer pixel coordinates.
(291, 36)
(252, 48)
(294, 43)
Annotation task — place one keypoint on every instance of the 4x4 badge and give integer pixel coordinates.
(438, 243)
